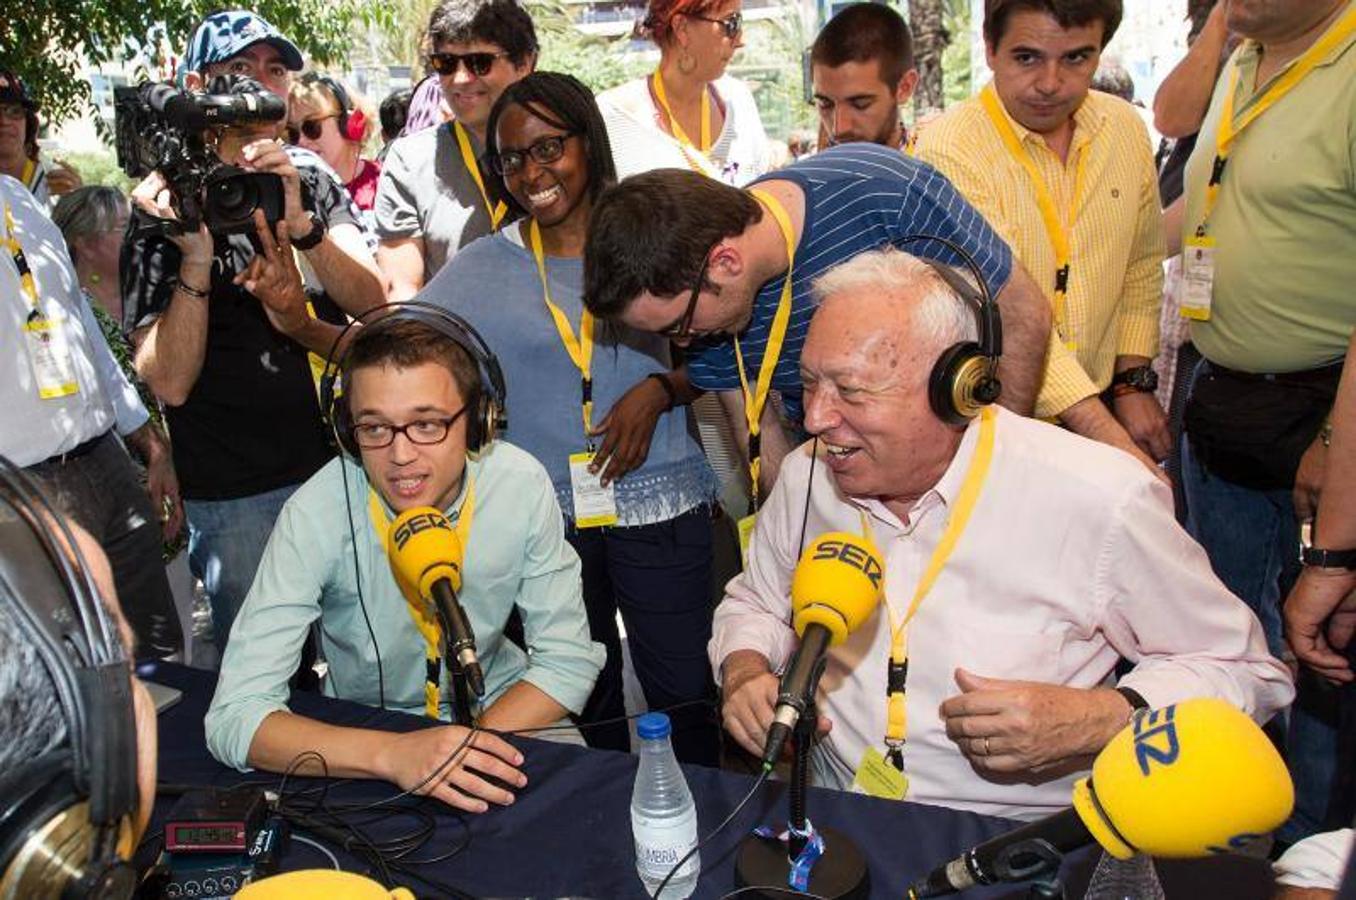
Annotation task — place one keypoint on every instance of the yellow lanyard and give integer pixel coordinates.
(468, 156)
(1229, 130)
(580, 350)
(30, 169)
(424, 615)
(910, 143)
(755, 400)
(26, 283)
(896, 720)
(1059, 229)
(695, 156)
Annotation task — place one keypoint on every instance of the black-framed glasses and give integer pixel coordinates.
(731, 25)
(311, 129)
(376, 435)
(543, 151)
(681, 330)
(478, 64)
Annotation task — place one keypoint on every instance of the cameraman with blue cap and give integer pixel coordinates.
(222, 333)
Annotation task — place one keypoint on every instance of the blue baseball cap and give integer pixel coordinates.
(225, 34)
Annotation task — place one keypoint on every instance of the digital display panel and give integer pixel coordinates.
(207, 835)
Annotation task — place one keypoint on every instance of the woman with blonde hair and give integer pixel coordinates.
(334, 122)
(688, 113)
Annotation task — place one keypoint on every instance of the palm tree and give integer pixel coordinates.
(934, 23)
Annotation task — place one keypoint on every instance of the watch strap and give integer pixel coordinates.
(313, 237)
(1328, 559)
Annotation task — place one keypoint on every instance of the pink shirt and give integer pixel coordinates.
(1071, 559)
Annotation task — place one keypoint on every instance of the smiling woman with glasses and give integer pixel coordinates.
(593, 398)
(688, 113)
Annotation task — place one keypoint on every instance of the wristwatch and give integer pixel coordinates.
(1141, 378)
(1320, 558)
(312, 237)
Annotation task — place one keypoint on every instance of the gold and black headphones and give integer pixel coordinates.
(964, 379)
(487, 414)
(66, 816)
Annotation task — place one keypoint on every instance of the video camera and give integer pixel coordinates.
(161, 128)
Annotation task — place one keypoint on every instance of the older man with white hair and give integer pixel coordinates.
(1021, 563)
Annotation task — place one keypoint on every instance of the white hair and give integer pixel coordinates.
(939, 315)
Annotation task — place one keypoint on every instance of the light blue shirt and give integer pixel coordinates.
(516, 556)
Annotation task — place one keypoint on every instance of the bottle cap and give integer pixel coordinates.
(653, 725)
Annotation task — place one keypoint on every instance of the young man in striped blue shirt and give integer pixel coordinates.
(705, 263)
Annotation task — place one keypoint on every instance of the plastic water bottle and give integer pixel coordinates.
(663, 816)
(1125, 879)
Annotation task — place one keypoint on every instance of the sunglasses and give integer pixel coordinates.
(732, 24)
(311, 128)
(547, 150)
(478, 64)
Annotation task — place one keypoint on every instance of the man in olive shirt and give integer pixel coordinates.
(1270, 259)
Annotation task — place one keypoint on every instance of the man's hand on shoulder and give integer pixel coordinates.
(1029, 726)
(463, 768)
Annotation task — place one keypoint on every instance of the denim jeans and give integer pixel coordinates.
(1252, 539)
(659, 576)
(226, 540)
(103, 493)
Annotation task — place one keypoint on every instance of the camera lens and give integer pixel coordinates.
(232, 199)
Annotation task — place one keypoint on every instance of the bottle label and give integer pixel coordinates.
(660, 843)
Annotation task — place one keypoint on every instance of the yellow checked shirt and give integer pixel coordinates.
(1116, 274)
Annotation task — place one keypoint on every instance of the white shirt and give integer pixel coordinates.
(739, 154)
(1071, 559)
(31, 428)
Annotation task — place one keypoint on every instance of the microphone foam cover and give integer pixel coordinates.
(1192, 779)
(838, 583)
(423, 548)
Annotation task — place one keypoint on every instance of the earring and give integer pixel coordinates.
(686, 63)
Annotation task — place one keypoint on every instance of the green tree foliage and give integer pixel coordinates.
(47, 41)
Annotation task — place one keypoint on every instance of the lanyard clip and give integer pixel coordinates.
(433, 670)
(1217, 170)
(1062, 279)
(586, 389)
(896, 677)
(755, 446)
(894, 754)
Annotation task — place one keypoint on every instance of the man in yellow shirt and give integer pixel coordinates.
(1067, 177)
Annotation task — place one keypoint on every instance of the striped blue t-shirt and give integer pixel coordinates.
(857, 197)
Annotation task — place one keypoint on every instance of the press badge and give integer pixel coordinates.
(875, 777)
(53, 370)
(594, 504)
(1198, 277)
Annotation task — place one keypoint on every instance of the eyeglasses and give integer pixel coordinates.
(478, 64)
(732, 24)
(544, 151)
(311, 128)
(12, 111)
(425, 432)
(682, 329)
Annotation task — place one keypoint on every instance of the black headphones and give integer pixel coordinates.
(65, 816)
(487, 410)
(352, 121)
(964, 379)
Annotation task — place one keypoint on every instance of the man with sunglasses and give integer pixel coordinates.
(710, 265)
(412, 395)
(432, 199)
(235, 378)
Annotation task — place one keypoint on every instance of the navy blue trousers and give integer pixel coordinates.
(659, 577)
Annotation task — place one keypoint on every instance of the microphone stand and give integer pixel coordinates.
(840, 873)
(461, 691)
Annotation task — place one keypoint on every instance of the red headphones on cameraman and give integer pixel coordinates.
(352, 121)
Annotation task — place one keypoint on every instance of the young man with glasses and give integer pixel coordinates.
(411, 395)
(432, 200)
(239, 391)
(707, 264)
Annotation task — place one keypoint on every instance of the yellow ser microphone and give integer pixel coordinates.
(837, 584)
(426, 555)
(1192, 779)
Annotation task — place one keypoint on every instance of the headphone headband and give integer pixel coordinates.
(347, 112)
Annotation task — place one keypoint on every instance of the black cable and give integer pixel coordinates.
(528, 732)
(357, 574)
(758, 782)
(809, 487)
